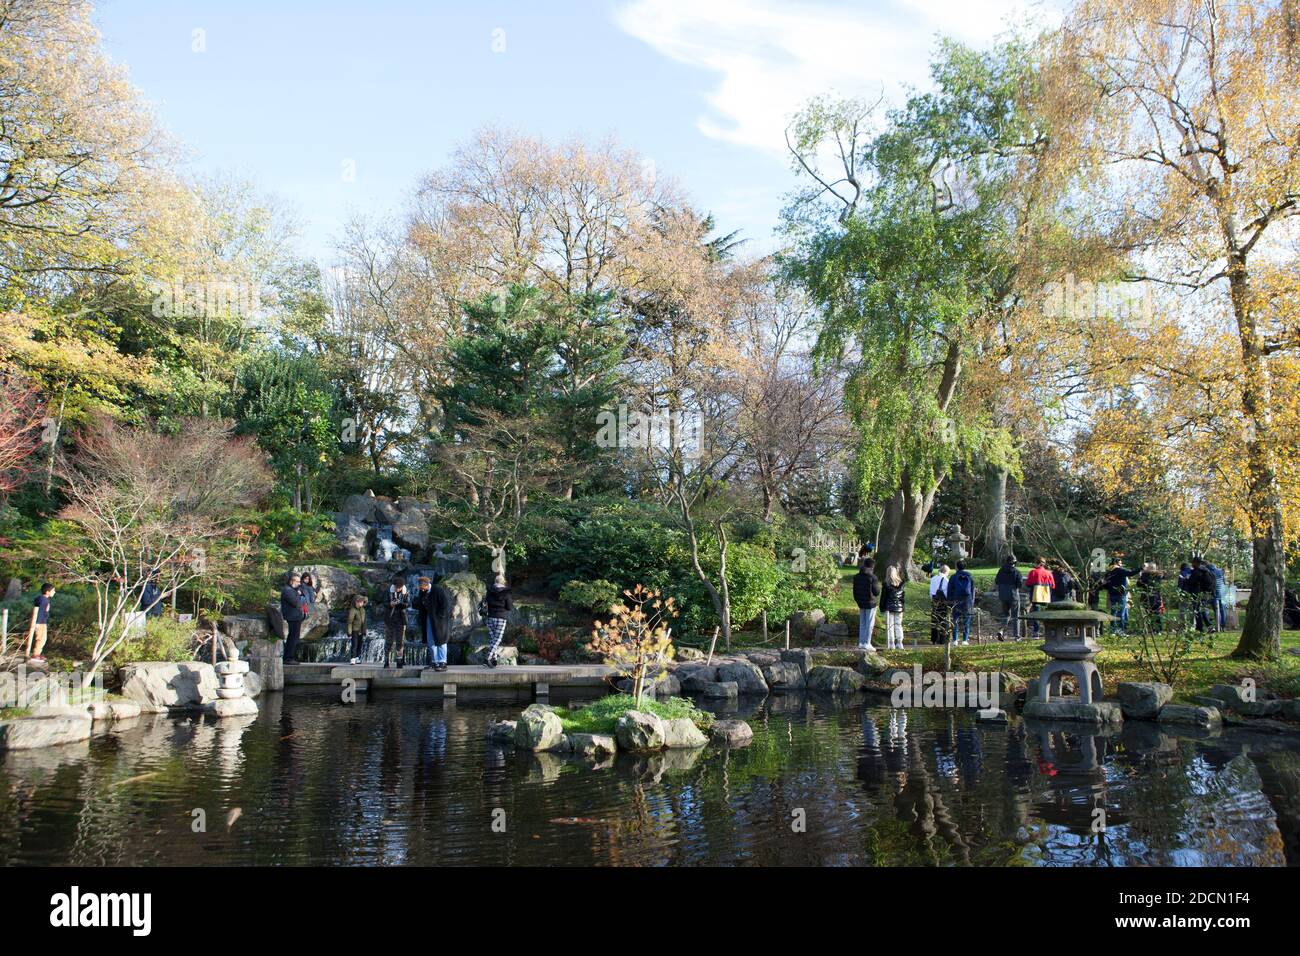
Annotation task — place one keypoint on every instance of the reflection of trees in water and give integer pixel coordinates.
(1279, 773)
(1072, 764)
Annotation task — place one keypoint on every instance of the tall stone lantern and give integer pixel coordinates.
(1072, 631)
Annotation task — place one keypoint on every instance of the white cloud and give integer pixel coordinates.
(771, 56)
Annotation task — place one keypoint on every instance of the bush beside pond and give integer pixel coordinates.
(602, 716)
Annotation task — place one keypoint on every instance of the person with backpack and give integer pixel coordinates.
(1152, 601)
(1040, 582)
(961, 595)
(1200, 585)
(293, 611)
(891, 600)
(496, 607)
(399, 601)
(1116, 585)
(1064, 586)
(1009, 581)
(866, 594)
(431, 605)
(940, 618)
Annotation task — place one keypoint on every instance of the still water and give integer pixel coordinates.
(408, 779)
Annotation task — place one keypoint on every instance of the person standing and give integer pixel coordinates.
(961, 595)
(1220, 594)
(39, 630)
(940, 621)
(1064, 587)
(1200, 584)
(1116, 585)
(399, 601)
(497, 605)
(357, 626)
(1009, 581)
(431, 605)
(1149, 595)
(151, 598)
(1040, 582)
(892, 593)
(866, 594)
(308, 589)
(293, 610)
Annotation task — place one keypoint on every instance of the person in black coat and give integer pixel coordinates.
(1009, 581)
(431, 604)
(399, 600)
(892, 599)
(1066, 588)
(866, 594)
(497, 605)
(1202, 586)
(293, 609)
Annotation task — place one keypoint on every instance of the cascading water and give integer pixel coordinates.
(337, 648)
(385, 546)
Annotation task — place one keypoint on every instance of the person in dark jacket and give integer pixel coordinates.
(1064, 586)
(1009, 581)
(293, 609)
(1201, 586)
(399, 600)
(866, 594)
(431, 603)
(892, 593)
(1290, 609)
(497, 605)
(940, 618)
(1116, 585)
(1150, 598)
(961, 595)
(308, 589)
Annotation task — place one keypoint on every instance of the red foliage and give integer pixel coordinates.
(21, 426)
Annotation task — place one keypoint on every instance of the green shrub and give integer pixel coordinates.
(594, 596)
(163, 639)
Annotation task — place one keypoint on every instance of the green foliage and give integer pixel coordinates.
(163, 639)
(625, 543)
(594, 596)
(602, 716)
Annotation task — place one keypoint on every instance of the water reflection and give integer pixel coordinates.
(405, 778)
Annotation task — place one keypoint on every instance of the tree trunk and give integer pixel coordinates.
(995, 544)
(899, 538)
(1261, 636)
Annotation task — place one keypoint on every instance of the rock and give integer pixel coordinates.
(693, 677)
(316, 625)
(334, 586)
(805, 623)
(246, 627)
(761, 659)
(1100, 712)
(411, 529)
(831, 632)
(682, 732)
(746, 676)
(689, 654)
(1293, 650)
(231, 707)
(28, 733)
(352, 535)
(502, 731)
(1142, 700)
(720, 690)
(733, 733)
(161, 686)
(507, 655)
(801, 657)
(994, 715)
(123, 710)
(1206, 718)
(13, 590)
(538, 728)
(637, 731)
(784, 677)
(668, 686)
(1232, 696)
(1260, 708)
(1291, 709)
(593, 745)
(361, 507)
(872, 666)
(266, 660)
(464, 590)
(834, 680)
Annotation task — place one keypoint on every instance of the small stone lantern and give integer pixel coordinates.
(1072, 631)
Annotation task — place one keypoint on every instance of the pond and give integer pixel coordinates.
(409, 779)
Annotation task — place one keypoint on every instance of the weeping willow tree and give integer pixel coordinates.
(922, 250)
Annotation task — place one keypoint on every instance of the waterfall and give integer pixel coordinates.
(385, 546)
(337, 648)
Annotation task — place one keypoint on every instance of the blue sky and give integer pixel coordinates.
(287, 93)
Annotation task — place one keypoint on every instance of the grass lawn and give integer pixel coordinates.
(601, 716)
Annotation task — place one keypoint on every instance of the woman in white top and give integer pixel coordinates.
(940, 619)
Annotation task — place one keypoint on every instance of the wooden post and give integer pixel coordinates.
(764, 616)
(787, 634)
(4, 632)
(214, 643)
(713, 643)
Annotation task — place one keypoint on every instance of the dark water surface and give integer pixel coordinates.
(405, 778)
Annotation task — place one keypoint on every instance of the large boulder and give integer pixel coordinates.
(231, 707)
(800, 656)
(593, 745)
(835, 680)
(745, 675)
(1142, 700)
(682, 732)
(732, 733)
(316, 625)
(1231, 696)
(1100, 712)
(538, 728)
(502, 731)
(831, 632)
(694, 677)
(352, 535)
(411, 529)
(160, 686)
(245, 627)
(872, 666)
(334, 586)
(720, 690)
(638, 730)
(464, 591)
(805, 623)
(266, 660)
(1204, 718)
(28, 733)
(361, 507)
(784, 677)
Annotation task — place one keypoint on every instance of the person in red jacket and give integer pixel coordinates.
(1040, 582)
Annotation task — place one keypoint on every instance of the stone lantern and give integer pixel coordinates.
(1072, 631)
